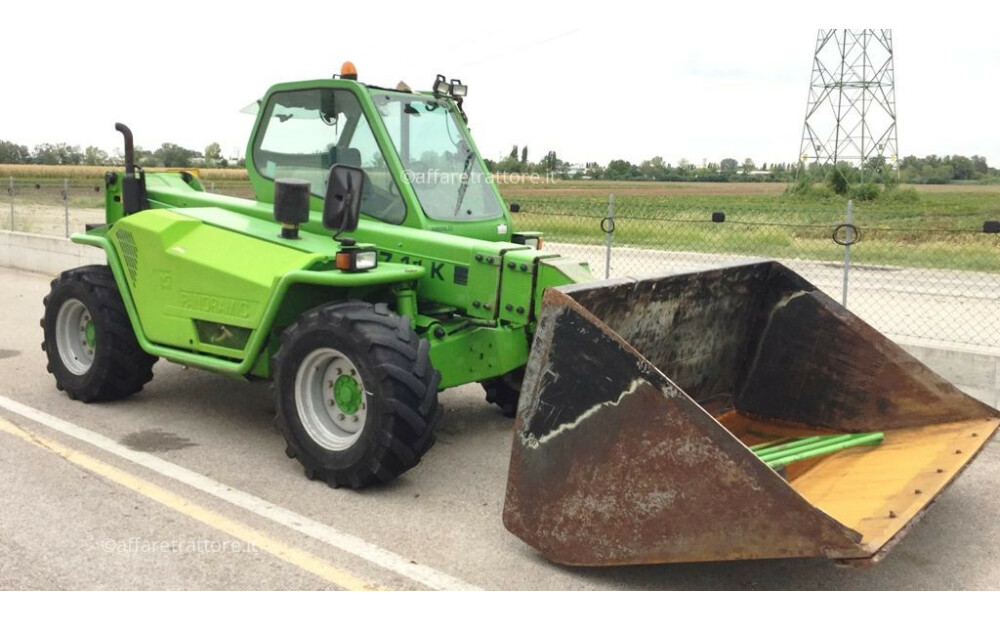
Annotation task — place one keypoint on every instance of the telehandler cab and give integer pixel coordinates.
(664, 419)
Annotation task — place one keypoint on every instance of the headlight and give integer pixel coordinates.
(365, 260)
(356, 260)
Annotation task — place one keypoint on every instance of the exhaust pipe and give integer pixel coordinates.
(133, 188)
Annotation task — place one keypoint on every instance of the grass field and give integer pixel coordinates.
(922, 226)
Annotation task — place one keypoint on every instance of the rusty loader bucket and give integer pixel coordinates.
(648, 407)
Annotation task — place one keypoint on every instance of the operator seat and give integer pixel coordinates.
(346, 156)
(374, 201)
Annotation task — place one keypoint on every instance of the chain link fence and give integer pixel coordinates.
(54, 207)
(935, 277)
(60, 207)
(930, 278)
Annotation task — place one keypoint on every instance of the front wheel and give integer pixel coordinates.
(356, 394)
(88, 339)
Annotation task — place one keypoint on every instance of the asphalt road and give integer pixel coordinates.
(186, 485)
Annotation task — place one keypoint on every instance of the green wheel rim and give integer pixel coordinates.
(347, 394)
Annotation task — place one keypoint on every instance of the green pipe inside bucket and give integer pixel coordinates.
(802, 446)
(842, 442)
(769, 449)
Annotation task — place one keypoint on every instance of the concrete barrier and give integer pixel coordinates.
(974, 371)
(49, 255)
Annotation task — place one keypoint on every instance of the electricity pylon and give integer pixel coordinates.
(851, 113)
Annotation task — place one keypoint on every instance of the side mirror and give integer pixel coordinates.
(342, 204)
(515, 208)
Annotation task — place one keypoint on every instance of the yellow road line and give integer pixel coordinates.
(302, 559)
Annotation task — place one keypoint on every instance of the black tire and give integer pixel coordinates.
(395, 394)
(501, 393)
(112, 365)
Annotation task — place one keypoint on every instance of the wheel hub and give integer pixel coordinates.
(89, 333)
(347, 394)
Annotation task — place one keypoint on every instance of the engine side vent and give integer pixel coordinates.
(129, 253)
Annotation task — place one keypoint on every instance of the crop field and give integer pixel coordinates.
(96, 173)
(931, 226)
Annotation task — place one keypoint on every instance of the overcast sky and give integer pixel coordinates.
(619, 79)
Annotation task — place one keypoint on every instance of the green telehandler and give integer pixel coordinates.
(379, 264)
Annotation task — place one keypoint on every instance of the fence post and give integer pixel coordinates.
(608, 226)
(10, 190)
(848, 241)
(65, 197)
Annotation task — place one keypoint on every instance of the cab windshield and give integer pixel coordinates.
(447, 176)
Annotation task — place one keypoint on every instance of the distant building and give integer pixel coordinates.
(583, 170)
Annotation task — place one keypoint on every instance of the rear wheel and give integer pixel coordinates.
(88, 339)
(504, 392)
(356, 394)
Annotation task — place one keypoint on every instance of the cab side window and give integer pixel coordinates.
(310, 130)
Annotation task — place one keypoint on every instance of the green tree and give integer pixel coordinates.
(146, 158)
(57, 154)
(874, 168)
(45, 154)
(979, 164)
(213, 153)
(654, 168)
(524, 156)
(11, 153)
(964, 169)
(839, 178)
(93, 156)
(550, 163)
(174, 156)
(728, 165)
(509, 164)
(748, 166)
(619, 169)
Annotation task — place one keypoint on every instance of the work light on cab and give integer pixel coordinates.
(458, 89)
(441, 87)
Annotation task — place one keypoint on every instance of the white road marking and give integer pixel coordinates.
(349, 543)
